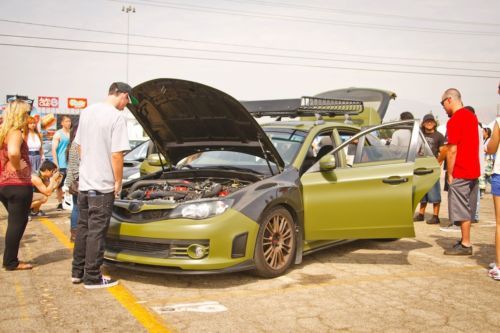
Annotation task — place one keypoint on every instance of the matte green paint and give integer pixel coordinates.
(220, 230)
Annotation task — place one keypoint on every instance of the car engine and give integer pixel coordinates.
(179, 190)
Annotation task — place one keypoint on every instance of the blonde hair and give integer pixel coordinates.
(14, 117)
(29, 120)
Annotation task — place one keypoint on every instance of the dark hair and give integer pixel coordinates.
(48, 165)
(72, 135)
(406, 115)
(488, 132)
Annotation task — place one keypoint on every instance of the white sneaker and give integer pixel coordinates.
(76, 280)
(494, 273)
(104, 283)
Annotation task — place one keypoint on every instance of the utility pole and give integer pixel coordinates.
(127, 10)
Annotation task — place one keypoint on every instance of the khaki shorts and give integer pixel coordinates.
(462, 199)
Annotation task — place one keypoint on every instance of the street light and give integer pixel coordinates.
(127, 10)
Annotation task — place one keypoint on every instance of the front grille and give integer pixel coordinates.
(150, 247)
(144, 216)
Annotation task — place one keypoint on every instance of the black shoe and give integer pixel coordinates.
(459, 250)
(59, 207)
(475, 221)
(103, 283)
(418, 218)
(434, 220)
(39, 213)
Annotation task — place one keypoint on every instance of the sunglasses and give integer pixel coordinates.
(21, 99)
(445, 99)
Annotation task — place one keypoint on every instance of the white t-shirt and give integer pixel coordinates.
(401, 137)
(102, 130)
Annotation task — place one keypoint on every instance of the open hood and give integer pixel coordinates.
(374, 98)
(183, 117)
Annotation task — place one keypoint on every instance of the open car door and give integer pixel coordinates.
(369, 191)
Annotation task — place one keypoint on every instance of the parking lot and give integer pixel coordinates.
(363, 286)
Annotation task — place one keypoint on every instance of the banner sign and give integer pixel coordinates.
(48, 102)
(77, 103)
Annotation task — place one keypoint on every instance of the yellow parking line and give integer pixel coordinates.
(149, 320)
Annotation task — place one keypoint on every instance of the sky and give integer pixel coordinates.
(257, 49)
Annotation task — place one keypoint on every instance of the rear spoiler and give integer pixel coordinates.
(303, 107)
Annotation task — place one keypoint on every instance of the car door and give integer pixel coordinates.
(373, 197)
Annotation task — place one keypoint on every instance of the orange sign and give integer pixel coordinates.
(77, 103)
(48, 102)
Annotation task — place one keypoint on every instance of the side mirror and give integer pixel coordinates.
(154, 159)
(327, 163)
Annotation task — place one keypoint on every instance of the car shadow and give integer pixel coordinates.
(346, 253)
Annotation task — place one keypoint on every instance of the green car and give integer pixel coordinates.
(236, 195)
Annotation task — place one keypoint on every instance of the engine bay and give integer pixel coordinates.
(180, 190)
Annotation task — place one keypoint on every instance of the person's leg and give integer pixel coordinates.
(436, 207)
(423, 205)
(465, 225)
(19, 201)
(60, 192)
(99, 212)
(496, 200)
(82, 229)
(74, 212)
(38, 200)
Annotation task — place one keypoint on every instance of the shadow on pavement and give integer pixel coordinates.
(483, 253)
(51, 257)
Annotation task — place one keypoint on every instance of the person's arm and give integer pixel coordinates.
(492, 146)
(117, 164)
(55, 143)
(42, 155)
(46, 189)
(443, 152)
(450, 161)
(14, 142)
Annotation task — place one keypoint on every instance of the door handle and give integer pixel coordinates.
(395, 180)
(422, 171)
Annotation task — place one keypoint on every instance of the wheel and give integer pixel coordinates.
(276, 243)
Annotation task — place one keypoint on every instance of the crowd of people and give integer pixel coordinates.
(90, 158)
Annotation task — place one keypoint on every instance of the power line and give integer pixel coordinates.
(250, 53)
(224, 11)
(244, 45)
(250, 61)
(356, 12)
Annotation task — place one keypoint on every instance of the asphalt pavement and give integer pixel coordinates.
(406, 285)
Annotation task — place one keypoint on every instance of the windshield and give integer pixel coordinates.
(139, 153)
(287, 142)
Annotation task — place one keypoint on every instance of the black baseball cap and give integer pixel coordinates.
(124, 87)
(427, 117)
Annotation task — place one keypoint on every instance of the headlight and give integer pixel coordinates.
(202, 209)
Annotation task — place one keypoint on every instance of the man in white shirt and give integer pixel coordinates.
(102, 137)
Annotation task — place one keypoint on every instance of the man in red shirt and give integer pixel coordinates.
(463, 167)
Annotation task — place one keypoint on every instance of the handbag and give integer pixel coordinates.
(73, 187)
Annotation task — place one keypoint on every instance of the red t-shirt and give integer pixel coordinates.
(462, 131)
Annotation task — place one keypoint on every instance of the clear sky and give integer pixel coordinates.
(257, 49)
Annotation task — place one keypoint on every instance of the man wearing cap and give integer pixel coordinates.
(435, 141)
(102, 138)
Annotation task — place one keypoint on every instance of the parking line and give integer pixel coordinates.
(150, 321)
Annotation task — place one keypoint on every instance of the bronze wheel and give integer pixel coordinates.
(276, 242)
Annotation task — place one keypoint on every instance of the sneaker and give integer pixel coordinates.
(104, 283)
(451, 228)
(475, 221)
(459, 250)
(59, 207)
(494, 273)
(418, 218)
(76, 280)
(491, 265)
(40, 213)
(434, 220)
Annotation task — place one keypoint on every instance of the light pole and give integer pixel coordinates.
(127, 10)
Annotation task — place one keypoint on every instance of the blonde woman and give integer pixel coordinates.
(16, 191)
(493, 148)
(34, 140)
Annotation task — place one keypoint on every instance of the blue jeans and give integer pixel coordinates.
(74, 212)
(93, 222)
(434, 194)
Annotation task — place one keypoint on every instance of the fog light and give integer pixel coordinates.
(196, 251)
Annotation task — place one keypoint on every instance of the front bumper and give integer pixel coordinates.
(228, 240)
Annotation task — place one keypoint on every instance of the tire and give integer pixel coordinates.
(276, 243)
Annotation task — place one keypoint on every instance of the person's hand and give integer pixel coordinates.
(55, 176)
(450, 178)
(118, 189)
(10, 167)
